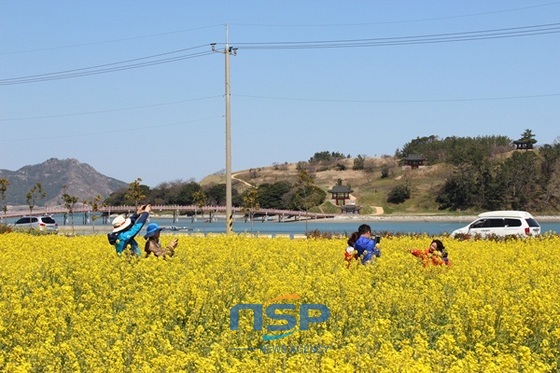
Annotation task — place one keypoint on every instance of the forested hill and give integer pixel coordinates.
(459, 174)
(82, 181)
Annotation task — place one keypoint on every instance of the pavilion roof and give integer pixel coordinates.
(414, 157)
(340, 189)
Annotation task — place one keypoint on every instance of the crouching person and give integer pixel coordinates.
(366, 247)
(153, 245)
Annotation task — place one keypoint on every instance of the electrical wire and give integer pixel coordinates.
(107, 41)
(405, 21)
(401, 101)
(543, 29)
(523, 31)
(74, 134)
(107, 68)
(110, 110)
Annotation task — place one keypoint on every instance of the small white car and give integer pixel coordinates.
(501, 223)
(40, 223)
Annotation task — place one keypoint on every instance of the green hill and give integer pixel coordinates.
(369, 186)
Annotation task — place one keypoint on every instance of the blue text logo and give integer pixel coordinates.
(275, 312)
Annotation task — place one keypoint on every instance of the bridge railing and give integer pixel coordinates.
(178, 209)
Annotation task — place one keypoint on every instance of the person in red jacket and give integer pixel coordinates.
(434, 255)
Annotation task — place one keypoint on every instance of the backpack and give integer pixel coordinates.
(113, 237)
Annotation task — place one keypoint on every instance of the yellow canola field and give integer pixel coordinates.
(70, 304)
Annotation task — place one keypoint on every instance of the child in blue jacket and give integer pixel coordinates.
(125, 229)
(365, 245)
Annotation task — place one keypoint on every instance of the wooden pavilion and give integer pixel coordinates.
(350, 209)
(414, 160)
(340, 193)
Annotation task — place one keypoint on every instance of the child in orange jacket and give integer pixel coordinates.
(350, 253)
(434, 255)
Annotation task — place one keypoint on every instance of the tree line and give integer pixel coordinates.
(487, 174)
(490, 174)
(300, 195)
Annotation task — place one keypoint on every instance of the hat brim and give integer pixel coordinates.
(150, 234)
(123, 226)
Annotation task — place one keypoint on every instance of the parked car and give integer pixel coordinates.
(501, 223)
(42, 223)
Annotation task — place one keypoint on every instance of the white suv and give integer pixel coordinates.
(501, 223)
(42, 223)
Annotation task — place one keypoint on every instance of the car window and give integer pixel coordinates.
(478, 224)
(494, 223)
(532, 222)
(48, 220)
(23, 221)
(34, 220)
(512, 222)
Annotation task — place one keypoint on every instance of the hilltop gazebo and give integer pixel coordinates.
(414, 161)
(340, 193)
(523, 144)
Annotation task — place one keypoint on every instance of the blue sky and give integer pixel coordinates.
(386, 84)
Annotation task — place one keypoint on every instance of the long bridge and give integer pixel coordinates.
(175, 210)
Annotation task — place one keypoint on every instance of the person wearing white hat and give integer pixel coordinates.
(125, 229)
(153, 245)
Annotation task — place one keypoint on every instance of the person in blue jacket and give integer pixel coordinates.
(365, 246)
(125, 229)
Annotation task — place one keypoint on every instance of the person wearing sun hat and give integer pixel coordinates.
(153, 245)
(125, 229)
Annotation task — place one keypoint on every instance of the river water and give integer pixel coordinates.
(333, 226)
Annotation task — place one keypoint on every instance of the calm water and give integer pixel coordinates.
(345, 228)
(291, 228)
(186, 225)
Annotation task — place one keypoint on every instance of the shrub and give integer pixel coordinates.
(399, 194)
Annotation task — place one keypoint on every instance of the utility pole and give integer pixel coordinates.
(227, 51)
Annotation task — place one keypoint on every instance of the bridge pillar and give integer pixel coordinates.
(175, 216)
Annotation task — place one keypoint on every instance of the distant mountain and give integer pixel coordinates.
(83, 181)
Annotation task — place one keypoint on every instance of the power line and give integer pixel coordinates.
(110, 110)
(543, 29)
(73, 134)
(349, 43)
(107, 41)
(107, 68)
(401, 21)
(402, 101)
(405, 21)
